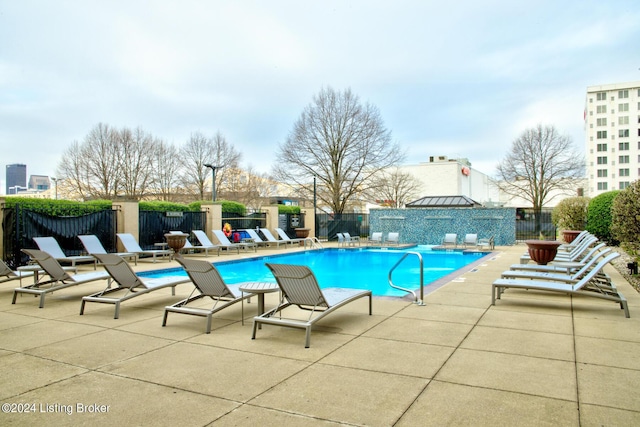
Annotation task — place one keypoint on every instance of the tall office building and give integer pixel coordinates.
(16, 178)
(612, 120)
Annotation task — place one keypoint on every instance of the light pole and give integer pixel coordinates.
(213, 181)
(55, 182)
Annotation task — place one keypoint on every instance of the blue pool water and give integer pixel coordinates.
(362, 269)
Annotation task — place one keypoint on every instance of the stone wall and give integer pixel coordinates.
(428, 226)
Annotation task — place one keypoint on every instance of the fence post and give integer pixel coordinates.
(309, 221)
(128, 219)
(272, 217)
(214, 218)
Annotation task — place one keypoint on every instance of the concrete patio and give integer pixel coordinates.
(532, 359)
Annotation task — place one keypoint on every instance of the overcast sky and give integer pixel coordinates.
(457, 78)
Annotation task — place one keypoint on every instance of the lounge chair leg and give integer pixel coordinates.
(15, 294)
(255, 328)
(164, 318)
(208, 331)
(82, 307)
(117, 313)
(42, 300)
(307, 339)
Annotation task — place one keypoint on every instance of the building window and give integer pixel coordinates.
(623, 146)
(602, 186)
(601, 109)
(602, 173)
(623, 172)
(623, 185)
(602, 134)
(623, 107)
(623, 133)
(601, 96)
(602, 160)
(623, 159)
(623, 93)
(602, 147)
(623, 120)
(601, 121)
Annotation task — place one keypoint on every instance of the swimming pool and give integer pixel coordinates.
(360, 268)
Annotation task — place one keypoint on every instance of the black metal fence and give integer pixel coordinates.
(21, 225)
(154, 225)
(327, 225)
(532, 226)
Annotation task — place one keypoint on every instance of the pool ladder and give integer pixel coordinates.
(313, 242)
(415, 297)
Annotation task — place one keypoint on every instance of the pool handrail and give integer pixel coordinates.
(416, 300)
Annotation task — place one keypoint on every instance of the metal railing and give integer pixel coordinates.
(415, 297)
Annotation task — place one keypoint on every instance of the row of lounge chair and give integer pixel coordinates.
(298, 287)
(578, 269)
(469, 240)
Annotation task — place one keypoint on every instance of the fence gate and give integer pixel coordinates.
(154, 225)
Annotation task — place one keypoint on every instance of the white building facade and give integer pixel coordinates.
(612, 121)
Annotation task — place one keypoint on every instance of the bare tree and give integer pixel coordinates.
(396, 188)
(136, 155)
(540, 162)
(341, 142)
(166, 165)
(91, 168)
(247, 186)
(200, 150)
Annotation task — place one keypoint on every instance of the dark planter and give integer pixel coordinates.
(570, 235)
(542, 251)
(302, 233)
(176, 241)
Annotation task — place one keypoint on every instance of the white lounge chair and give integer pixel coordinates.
(283, 235)
(256, 238)
(470, 239)
(204, 240)
(224, 242)
(300, 288)
(58, 278)
(50, 245)
(129, 286)
(131, 245)
(576, 253)
(351, 240)
(188, 246)
(588, 286)
(93, 245)
(393, 238)
(450, 239)
(267, 234)
(375, 238)
(208, 284)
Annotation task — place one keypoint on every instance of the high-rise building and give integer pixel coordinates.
(16, 178)
(612, 120)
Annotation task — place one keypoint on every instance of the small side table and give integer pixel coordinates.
(37, 271)
(258, 288)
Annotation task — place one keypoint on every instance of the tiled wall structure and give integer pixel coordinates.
(428, 226)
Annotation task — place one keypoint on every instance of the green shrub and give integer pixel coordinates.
(58, 207)
(571, 213)
(161, 206)
(625, 216)
(286, 209)
(229, 206)
(599, 216)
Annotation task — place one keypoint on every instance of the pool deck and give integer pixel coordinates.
(532, 359)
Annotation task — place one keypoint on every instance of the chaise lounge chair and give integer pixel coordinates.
(129, 286)
(376, 238)
(58, 277)
(588, 286)
(50, 245)
(450, 239)
(204, 241)
(267, 234)
(300, 287)
(575, 253)
(93, 245)
(188, 246)
(131, 245)
(393, 238)
(256, 238)
(7, 274)
(351, 240)
(226, 244)
(470, 239)
(286, 238)
(209, 284)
